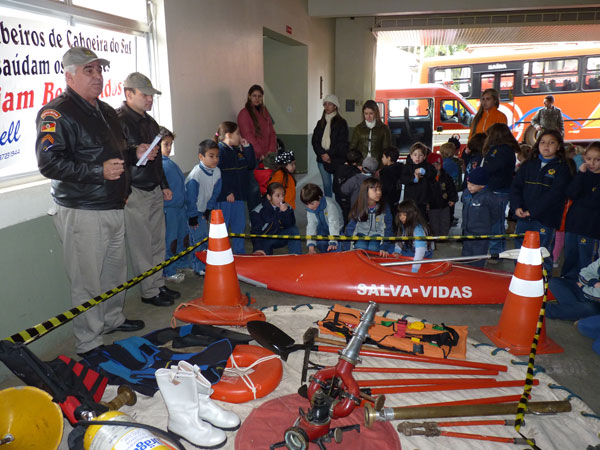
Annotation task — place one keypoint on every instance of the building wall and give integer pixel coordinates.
(209, 54)
(355, 52)
(213, 62)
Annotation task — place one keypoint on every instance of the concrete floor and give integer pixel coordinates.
(577, 368)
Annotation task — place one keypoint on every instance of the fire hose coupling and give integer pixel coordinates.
(349, 395)
(360, 335)
(372, 415)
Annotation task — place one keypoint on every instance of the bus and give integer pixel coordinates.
(523, 76)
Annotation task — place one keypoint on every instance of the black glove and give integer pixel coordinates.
(206, 214)
(193, 221)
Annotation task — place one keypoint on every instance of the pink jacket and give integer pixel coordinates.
(264, 143)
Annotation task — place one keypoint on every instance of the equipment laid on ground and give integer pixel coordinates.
(29, 419)
(418, 338)
(433, 412)
(433, 429)
(115, 430)
(360, 276)
(264, 375)
(333, 393)
(267, 424)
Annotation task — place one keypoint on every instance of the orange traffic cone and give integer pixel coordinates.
(521, 311)
(222, 302)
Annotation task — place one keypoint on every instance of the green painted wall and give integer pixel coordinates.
(34, 285)
(299, 143)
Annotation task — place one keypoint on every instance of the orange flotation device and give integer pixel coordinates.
(437, 341)
(261, 380)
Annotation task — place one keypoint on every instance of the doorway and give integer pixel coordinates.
(286, 92)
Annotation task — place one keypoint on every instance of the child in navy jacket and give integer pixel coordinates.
(481, 209)
(236, 163)
(499, 160)
(417, 176)
(443, 197)
(582, 226)
(537, 193)
(390, 175)
(274, 216)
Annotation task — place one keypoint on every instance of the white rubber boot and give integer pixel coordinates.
(207, 409)
(180, 393)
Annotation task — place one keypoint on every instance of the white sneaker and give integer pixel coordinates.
(555, 264)
(177, 278)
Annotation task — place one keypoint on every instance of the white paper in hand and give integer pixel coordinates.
(144, 159)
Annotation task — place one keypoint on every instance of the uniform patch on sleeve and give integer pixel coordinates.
(47, 142)
(50, 113)
(48, 127)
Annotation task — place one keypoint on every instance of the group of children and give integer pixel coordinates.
(367, 199)
(221, 181)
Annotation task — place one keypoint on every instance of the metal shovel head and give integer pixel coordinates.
(271, 337)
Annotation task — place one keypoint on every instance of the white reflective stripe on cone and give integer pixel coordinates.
(219, 258)
(525, 288)
(217, 231)
(531, 256)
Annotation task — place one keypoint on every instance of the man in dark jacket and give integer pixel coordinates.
(80, 145)
(144, 216)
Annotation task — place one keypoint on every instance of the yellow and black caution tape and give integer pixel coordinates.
(375, 238)
(522, 408)
(32, 334)
(37, 331)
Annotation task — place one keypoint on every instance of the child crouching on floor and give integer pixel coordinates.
(411, 223)
(323, 217)
(274, 216)
(370, 216)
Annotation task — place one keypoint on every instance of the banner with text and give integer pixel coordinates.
(31, 75)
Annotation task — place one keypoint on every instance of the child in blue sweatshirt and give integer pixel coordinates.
(237, 162)
(274, 216)
(203, 186)
(537, 194)
(176, 229)
(481, 210)
(370, 216)
(323, 217)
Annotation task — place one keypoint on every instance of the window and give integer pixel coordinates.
(456, 78)
(452, 111)
(556, 75)
(381, 107)
(487, 81)
(507, 85)
(32, 73)
(417, 108)
(131, 9)
(591, 77)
